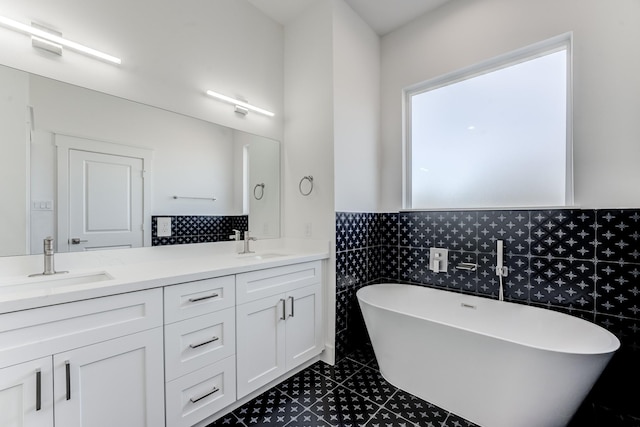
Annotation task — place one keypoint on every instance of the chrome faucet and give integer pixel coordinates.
(247, 239)
(245, 248)
(49, 267)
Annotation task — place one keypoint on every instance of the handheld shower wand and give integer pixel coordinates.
(501, 270)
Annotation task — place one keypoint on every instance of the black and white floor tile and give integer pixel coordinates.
(350, 394)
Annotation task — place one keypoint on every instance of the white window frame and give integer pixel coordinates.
(554, 44)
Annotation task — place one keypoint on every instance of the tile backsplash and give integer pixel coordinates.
(582, 262)
(198, 228)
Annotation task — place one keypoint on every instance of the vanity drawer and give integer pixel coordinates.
(272, 281)
(194, 343)
(200, 394)
(192, 299)
(38, 332)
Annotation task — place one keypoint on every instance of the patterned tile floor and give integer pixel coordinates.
(350, 394)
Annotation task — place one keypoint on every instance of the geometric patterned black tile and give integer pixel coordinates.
(371, 384)
(464, 280)
(455, 230)
(516, 284)
(341, 271)
(563, 233)
(563, 282)
(619, 235)
(307, 386)
(388, 229)
(356, 266)
(510, 226)
(618, 289)
(341, 231)
(385, 418)
(271, 408)
(415, 229)
(356, 229)
(338, 372)
(389, 262)
(309, 419)
(454, 420)
(345, 408)
(488, 281)
(414, 265)
(363, 354)
(374, 263)
(227, 420)
(415, 409)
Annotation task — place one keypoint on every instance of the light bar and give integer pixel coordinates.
(18, 26)
(237, 102)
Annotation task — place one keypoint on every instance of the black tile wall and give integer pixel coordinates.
(198, 229)
(583, 262)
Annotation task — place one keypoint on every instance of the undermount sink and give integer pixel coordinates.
(53, 281)
(261, 255)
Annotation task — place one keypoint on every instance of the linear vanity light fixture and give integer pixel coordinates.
(241, 106)
(56, 40)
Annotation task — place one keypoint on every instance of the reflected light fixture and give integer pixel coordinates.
(242, 107)
(54, 39)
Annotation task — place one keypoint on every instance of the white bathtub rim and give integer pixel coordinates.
(614, 343)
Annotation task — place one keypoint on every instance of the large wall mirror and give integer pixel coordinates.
(67, 151)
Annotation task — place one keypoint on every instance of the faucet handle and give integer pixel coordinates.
(235, 235)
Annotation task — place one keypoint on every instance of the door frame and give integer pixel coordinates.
(65, 143)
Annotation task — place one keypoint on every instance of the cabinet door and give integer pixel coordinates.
(113, 383)
(260, 342)
(26, 394)
(304, 324)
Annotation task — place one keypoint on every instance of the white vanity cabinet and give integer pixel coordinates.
(24, 401)
(200, 349)
(279, 322)
(93, 363)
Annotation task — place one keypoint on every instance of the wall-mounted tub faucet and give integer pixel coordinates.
(49, 267)
(501, 270)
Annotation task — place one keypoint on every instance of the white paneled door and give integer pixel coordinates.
(105, 201)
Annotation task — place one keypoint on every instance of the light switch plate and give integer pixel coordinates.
(164, 226)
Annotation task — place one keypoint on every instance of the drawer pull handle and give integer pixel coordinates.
(67, 366)
(204, 343)
(202, 298)
(284, 309)
(196, 399)
(38, 390)
(292, 307)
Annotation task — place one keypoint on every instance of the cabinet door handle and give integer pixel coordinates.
(209, 393)
(284, 309)
(202, 298)
(204, 342)
(292, 307)
(38, 390)
(67, 366)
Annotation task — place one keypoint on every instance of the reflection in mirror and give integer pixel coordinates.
(79, 164)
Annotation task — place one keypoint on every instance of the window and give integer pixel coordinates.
(495, 135)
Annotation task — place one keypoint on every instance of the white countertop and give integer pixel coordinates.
(129, 270)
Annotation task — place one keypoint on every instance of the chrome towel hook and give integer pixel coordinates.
(255, 191)
(306, 178)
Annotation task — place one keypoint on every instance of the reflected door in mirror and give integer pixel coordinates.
(105, 201)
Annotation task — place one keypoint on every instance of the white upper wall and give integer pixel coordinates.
(309, 132)
(172, 52)
(356, 111)
(606, 61)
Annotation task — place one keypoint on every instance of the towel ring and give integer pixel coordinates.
(306, 178)
(255, 190)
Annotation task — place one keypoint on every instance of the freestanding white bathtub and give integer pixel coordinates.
(497, 364)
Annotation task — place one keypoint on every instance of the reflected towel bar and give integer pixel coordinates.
(195, 198)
